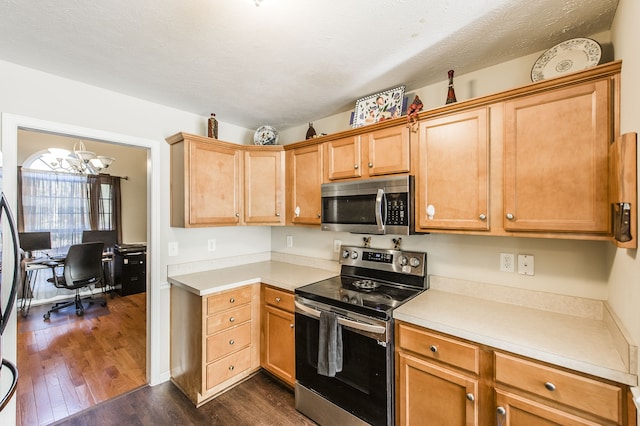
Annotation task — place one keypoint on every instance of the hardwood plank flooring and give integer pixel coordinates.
(69, 363)
(260, 401)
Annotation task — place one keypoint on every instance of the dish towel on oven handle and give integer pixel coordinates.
(329, 345)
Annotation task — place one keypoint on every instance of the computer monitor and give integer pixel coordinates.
(33, 241)
(109, 238)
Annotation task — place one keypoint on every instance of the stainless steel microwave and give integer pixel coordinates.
(369, 206)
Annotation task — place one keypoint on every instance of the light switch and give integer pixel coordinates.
(173, 248)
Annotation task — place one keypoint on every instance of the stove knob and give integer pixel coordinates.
(345, 254)
(415, 262)
(403, 260)
(354, 255)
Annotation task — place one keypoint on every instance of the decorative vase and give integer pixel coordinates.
(451, 94)
(213, 127)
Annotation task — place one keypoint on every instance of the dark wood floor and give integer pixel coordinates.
(71, 363)
(261, 400)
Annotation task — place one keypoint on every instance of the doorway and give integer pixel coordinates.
(11, 126)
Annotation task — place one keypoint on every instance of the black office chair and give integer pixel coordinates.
(82, 268)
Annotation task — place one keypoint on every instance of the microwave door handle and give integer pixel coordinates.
(379, 205)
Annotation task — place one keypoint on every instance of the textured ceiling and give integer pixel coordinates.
(285, 62)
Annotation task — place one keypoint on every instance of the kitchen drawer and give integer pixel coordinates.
(279, 298)
(228, 341)
(582, 393)
(228, 299)
(440, 348)
(227, 367)
(228, 318)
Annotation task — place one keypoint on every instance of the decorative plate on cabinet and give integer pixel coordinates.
(572, 55)
(266, 135)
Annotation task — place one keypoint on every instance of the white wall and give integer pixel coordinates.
(624, 278)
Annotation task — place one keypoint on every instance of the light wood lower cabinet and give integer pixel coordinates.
(455, 382)
(437, 378)
(214, 340)
(278, 334)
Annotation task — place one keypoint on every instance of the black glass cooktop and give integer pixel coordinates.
(365, 296)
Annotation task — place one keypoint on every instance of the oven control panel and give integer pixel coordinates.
(399, 261)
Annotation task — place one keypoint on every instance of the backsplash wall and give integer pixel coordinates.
(567, 267)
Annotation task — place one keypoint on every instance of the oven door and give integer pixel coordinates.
(364, 387)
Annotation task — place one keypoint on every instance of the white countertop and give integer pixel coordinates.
(579, 343)
(284, 275)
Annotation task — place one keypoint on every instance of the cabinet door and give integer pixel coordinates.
(429, 393)
(343, 158)
(453, 175)
(214, 184)
(388, 151)
(555, 160)
(516, 410)
(304, 168)
(278, 355)
(264, 187)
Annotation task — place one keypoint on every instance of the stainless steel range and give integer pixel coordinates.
(346, 323)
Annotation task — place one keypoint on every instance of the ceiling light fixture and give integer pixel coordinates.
(257, 2)
(78, 161)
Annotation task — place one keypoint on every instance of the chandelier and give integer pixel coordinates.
(78, 161)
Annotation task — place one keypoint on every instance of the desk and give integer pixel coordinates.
(31, 267)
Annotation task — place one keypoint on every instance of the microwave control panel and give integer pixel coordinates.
(397, 209)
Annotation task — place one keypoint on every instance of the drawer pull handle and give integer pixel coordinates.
(232, 300)
(232, 319)
(231, 342)
(470, 397)
(433, 348)
(550, 386)
(278, 300)
(231, 368)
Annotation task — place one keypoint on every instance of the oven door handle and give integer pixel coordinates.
(377, 329)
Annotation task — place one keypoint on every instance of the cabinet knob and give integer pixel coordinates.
(550, 386)
(296, 212)
(433, 348)
(292, 325)
(483, 216)
(231, 342)
(277, 214)
(237, 214)
(355, 166)
(370, 165)
(232, 319)
(501, 411)
(319, 215)
(232, 300)
(278, 300)
(470, 397)
(510, 216)
(231, 368)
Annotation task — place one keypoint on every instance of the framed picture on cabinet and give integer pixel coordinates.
(379, 106)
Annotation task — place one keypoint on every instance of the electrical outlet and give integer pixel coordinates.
(173, 248)
(507, 262)
(211, 244)
(289, 241)
(336, 245)
(525, 264)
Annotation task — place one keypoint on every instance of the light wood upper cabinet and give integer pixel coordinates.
(264, 187)
(453, 172)
(205, 183)
(215, 183)
(556, 160)
(376, 153)
(343, 158)
(304, 178)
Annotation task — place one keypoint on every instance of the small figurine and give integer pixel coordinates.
(311, 132)
(213, 127)
(451, 94)
(412, 113)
